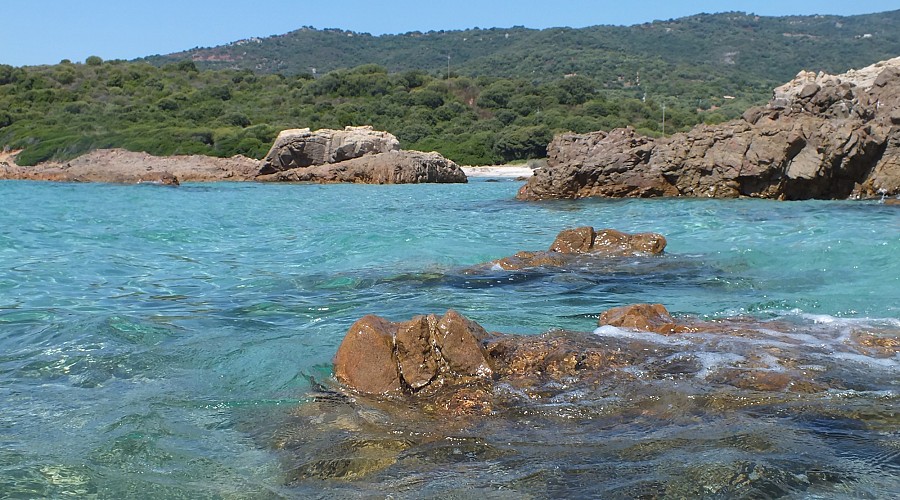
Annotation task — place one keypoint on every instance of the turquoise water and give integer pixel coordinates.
(150, 337)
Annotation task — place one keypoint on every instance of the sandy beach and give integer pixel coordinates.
(499, 171)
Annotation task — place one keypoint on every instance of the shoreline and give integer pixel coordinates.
(498, 171)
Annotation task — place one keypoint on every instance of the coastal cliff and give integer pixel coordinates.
(821, 136)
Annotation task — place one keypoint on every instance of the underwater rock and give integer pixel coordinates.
(571, 244)
(448, 393)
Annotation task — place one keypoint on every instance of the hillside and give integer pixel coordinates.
(694, 57)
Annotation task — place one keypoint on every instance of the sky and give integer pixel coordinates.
(47, 31)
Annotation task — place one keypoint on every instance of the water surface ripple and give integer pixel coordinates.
(159, 342)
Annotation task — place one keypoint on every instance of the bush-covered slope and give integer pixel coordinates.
(693, 57)
(60, 111)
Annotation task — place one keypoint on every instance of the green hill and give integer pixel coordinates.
(702, 55)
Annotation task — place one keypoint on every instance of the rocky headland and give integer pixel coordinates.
(352, 155)
(821, 136)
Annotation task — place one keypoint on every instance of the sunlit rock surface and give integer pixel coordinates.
(821, 136)
(737, 394)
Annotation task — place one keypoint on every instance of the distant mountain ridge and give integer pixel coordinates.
(703, 47)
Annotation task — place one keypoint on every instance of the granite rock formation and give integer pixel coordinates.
(352, 155)
(572, 245)
(460, 368)
(298, 148)
(821, 136)
(393, 167)
(127, 167)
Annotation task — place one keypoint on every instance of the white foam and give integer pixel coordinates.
(891, 364)
(613, 331)
(712, 361)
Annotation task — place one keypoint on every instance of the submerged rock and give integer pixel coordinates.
(455, 397)
(584, 242)
(821, 136)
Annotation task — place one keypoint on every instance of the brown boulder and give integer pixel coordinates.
(366, 359)
(578, 240)
(460, 342)
(415, 352)
(583, 241)
(379, 357)
(648, 317)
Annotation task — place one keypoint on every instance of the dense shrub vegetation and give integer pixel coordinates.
(58, 112)
(478, 96)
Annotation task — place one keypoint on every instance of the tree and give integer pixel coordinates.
(93, 61)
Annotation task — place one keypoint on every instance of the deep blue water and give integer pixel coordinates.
(143, 329)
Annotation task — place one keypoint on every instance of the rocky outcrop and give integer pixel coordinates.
(594, 389)
(298, 148)
(573, 245)
(352, 155)
(394, 167)
(121, 166)
(454, 361)
(821, 136)
(647, 317)
(380, 357)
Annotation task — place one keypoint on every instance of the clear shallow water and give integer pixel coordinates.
(153, 340)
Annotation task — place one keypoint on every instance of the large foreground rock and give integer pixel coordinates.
(297, 148)
(633, 392)
(821, 136)
(394, 167)
(453, 360)
(121, 166)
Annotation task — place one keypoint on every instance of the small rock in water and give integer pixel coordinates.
(581, 242)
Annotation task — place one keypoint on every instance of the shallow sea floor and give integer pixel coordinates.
(176, 342)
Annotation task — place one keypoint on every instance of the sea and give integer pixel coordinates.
(160, 342)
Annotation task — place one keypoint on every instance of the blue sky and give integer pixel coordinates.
(47, 31)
